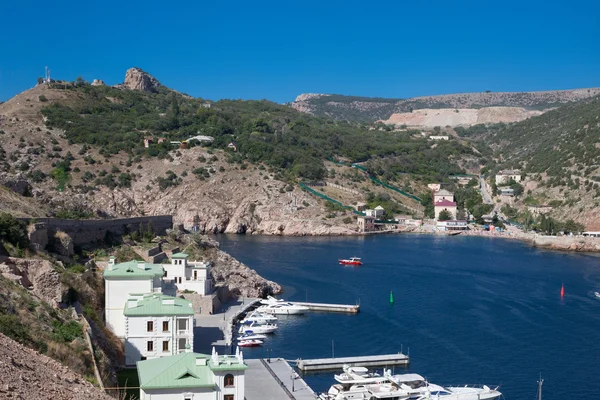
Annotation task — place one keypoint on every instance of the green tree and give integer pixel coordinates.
(13, 231)
(445, 215)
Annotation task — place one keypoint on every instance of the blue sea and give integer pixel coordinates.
(467, 309)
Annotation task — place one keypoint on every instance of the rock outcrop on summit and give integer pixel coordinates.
(137, 79)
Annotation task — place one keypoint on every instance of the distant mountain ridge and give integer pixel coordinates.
(371, 109)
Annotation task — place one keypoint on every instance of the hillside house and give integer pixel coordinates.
(366, 223)
(379, 212)
(360, 206)
(443, 194)
(193, 276)
(503, 177)
(156, 325)
(122, 279)
(402, 219)
(232, 145)
(148, 142)
(539, 209)
(506, 191)
(193, 376)
(446, 205)
(439, 137)
(435, 187)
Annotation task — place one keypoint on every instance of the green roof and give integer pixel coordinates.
(153, 305)
(180, 255)
(181, 371)
(132, 270)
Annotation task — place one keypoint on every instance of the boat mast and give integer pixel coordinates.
(540, 383)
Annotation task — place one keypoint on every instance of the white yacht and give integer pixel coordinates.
(280, 307)
(358, 383)
(255, 327)
(259, 317)
(415, 385)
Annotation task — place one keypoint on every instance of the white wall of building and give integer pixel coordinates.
(189, 276)
(201, 393)
(137, 336)
(116, 294)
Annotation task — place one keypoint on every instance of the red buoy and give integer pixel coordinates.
(562, 291)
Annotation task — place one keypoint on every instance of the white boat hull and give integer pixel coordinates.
(285, 311)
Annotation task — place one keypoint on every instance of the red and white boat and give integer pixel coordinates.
(250, 343)
(351, 261)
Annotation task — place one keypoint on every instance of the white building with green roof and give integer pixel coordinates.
(193, 376)
(156, 326)
(193, 276)
(122, 279)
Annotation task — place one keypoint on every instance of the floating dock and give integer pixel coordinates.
(343, 308)
(323, 364)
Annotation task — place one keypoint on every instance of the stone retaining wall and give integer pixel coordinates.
(92, 230)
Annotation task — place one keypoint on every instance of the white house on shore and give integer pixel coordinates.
(445, 205)
(122, 279)
(156, 326)
(193, 276)
(452, 225)
(443, 194)
(193, 376)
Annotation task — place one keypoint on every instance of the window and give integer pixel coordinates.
(165, 345)
(228, 397)
(165, 326)
(195, 275)
(150, 345)
(182, 324)
(149, 326)
(229, 380)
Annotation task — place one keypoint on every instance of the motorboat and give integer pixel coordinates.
(280, 307)
(351, 261)
(259, 317)
(358, 383)
(416, 385)
(597, 294)
(251, 336)
(255, 327)
(250, 343)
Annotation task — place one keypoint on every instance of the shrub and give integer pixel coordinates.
(13, 231)
(42, 98)
(66, 332)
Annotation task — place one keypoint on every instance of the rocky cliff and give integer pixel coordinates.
(430, 118)
(368, 109)
(26, 374)
(137, 79)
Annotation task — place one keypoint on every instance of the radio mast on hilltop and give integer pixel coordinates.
(47, 76)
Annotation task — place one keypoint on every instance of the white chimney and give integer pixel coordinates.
(111, 263)
(141, 265)
(170, 302)
(131, 303)
(200, 361)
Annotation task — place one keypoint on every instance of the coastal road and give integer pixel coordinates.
(487, 199)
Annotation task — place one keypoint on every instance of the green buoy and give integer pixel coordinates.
(391, 297)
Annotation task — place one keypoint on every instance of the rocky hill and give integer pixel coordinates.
(27, 374)
(558, 152)
(353, 108)
(85, 151)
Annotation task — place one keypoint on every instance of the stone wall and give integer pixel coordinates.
(92, 230)
(205, 304)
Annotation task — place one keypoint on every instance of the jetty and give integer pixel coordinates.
(323, 364)
(343, 308)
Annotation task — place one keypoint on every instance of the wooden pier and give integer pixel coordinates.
(343, 308)
(323, 364)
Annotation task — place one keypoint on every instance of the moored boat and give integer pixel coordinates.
(597, 294)
(255, 327)
(259, 317)
(280, 307)
(351, 261)
(250, 343)
(358, 383)
(251, 336)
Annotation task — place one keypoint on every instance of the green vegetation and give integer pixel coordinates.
(445, 215)
(13, 231)
(118, 120)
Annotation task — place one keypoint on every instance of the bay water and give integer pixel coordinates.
(467, 309)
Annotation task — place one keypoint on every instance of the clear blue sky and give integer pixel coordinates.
(277, 50)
